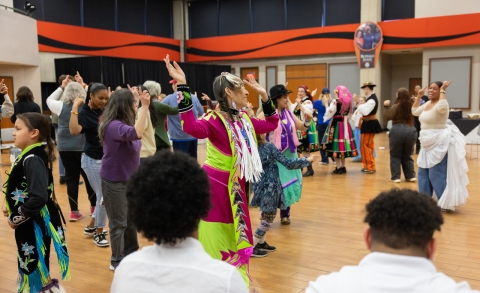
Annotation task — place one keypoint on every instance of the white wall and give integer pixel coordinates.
(449, 52)
(404, 67)
(47, 65)
(19, 39)
(430, 8)
(8, 3)
(24, 76)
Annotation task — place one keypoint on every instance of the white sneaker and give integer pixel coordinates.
(112, 268)
(396, 181)
(411, 179)
(100, 240)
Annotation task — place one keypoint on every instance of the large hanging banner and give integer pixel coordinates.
(368, 42)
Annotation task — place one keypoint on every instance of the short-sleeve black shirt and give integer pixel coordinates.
(89, 120)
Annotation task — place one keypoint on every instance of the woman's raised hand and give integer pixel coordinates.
(250, 80)
(134, 91)
(78, 102)
(78, 78)
(145, 98)
(205, 97)
(386, 103)
(445, 85)
(175, 71)
(421, 92)
(66, 81)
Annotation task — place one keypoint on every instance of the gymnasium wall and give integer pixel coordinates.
(430, 8)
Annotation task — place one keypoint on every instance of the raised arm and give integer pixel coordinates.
(54, 103)
(271, 118)
(330, 111)
(73, 125)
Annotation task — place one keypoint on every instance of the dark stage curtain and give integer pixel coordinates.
(109, 71)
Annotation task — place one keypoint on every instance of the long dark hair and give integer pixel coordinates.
(36, 121)
(151, 107)
(404, 106)
(119, 107)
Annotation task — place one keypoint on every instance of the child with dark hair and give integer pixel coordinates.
(32, 209)
(268, 192)
(169, 216)
(87, 122)
(401, 225)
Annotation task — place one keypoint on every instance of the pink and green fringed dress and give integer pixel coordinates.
(226, 232)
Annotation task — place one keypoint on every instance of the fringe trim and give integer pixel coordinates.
(59, 244)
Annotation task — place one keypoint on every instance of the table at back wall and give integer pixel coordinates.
(469, 128)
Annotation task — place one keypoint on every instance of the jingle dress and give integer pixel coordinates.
(232, 163)
(31, 206)
(338, 140)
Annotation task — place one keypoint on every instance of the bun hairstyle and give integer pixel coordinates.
(222, 82)
(94, 88)
(438, 83)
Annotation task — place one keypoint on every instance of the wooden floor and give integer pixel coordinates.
(325, 234)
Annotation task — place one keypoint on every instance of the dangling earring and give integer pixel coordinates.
(234, 106)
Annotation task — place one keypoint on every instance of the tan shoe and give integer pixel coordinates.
(285, 221)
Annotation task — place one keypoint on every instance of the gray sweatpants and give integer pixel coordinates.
(402, 140)
(123, 233)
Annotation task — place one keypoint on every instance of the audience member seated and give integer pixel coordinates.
(169, 216)
(400, 238)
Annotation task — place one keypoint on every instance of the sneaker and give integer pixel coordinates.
(105, 232)
(411, 180)
(112, 268)
(396, 181)
(265, 247)
(92, 210)
(99, 240)
(89, 231)
(258, 253)
(285, 221)
(75, 216)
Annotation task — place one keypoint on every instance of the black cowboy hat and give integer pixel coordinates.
(369, 84)
(278, 91)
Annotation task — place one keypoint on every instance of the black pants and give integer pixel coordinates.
(189, 147)
(418, 126)
(72, 162)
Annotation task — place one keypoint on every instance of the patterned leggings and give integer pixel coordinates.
(267, 220)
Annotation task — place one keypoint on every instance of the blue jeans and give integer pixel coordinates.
(91, 167)
(433, 179)
(61, 169)
(187, 146)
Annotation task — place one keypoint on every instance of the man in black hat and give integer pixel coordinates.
(286, 140)
(370, 126)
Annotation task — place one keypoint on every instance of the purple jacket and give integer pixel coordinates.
(121, 152)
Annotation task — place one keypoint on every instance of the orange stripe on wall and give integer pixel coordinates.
(61, 38)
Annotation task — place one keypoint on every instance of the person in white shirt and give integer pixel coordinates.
(166, 198)
(400, 238)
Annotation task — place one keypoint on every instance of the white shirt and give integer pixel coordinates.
(53, 102)
(392, 273)
(366, 108)
(183, 268)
